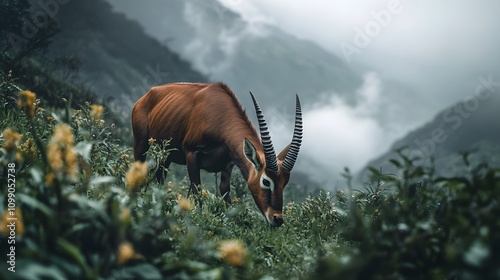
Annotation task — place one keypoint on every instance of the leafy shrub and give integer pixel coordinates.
(417, 226)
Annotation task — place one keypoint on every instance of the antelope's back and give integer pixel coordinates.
(187, 113)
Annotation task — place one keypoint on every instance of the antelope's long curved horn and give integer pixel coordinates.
(269, 153)
(293, 152)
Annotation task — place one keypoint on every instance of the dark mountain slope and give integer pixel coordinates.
(471, 127)
(117, 58)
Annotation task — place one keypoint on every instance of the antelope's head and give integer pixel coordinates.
(271, 173)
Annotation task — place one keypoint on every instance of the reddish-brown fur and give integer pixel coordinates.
(207, 125)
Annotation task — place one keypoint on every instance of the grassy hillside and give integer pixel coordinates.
(87, 214)
(84, 53)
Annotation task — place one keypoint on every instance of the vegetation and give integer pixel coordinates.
(86, 211)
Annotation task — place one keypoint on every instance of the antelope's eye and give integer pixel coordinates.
(266, 183)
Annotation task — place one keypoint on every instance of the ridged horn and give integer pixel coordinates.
(293, 152)
(267, 144)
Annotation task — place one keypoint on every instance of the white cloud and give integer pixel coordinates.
(336, 134)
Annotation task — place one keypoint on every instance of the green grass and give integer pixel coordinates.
(96, 225)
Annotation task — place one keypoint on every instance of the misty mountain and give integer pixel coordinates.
(469, 127)
(118, 59)
(248, 56)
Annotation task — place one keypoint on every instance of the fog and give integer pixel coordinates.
(336, 134)
(434, 51)
(437, 47)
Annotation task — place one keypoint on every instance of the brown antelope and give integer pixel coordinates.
(210, 130)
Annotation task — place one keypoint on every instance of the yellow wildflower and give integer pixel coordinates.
(96, 111)
(75, 113)
(185, 204)
(19, 157)
(233, 252)
(49, 118)
(5, 222)
(136, 174)
(125, 253)
(175, 228)
(11, 139)
(125, 215)
(29, 147)
(205, 192)
(27, 102)
(61, 153)
(49, 179)
(151, 140)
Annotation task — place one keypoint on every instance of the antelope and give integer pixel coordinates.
(210, 130)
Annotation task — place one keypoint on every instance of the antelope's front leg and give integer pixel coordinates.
(225, 183)
(193, 168)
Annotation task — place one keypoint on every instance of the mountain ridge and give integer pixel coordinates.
(104, 41)
(458, 131)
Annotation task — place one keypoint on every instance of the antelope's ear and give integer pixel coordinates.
(282, 154)
(251, 154)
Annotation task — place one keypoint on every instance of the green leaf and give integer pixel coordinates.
(395, 163)
(34, 203)
(34, 271)
(56, 117)
(37, 175)
(102, 180)
(374, 171)
(72, 251)
(141, 271)
(84, 149)
(476, 254)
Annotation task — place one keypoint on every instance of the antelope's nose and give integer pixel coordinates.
(278, 220)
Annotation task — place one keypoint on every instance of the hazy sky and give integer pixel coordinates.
(439, 47)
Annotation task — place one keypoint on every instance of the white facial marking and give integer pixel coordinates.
(266, 182)
(266, 216)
